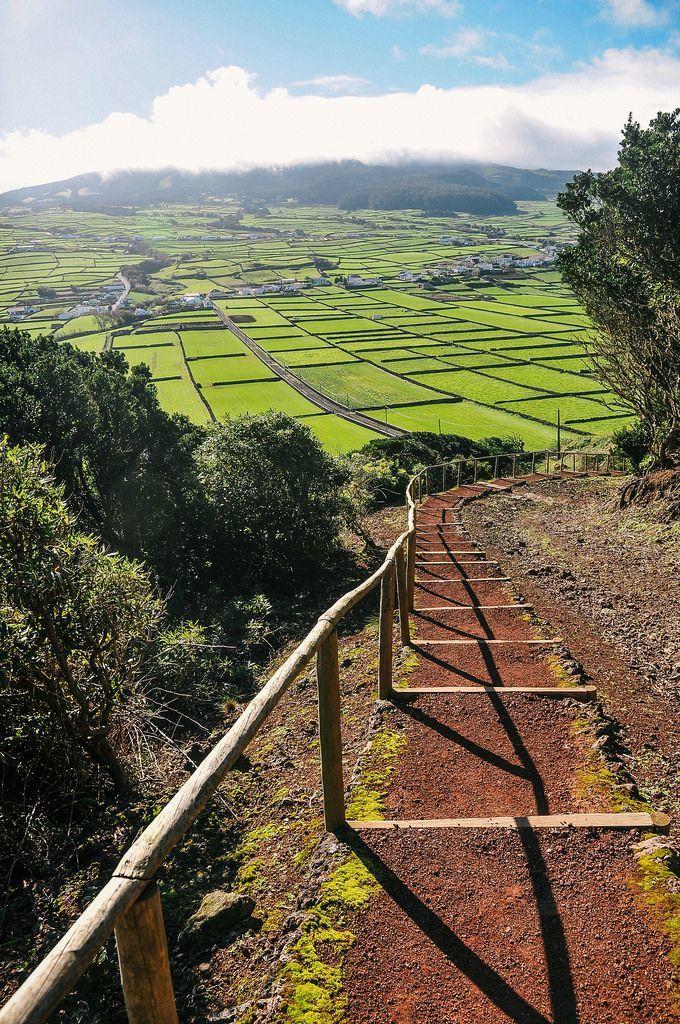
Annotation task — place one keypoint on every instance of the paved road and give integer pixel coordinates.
(305, 389)
(121, 298)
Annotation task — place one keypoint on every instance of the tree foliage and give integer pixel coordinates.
(625, 268)
(273, 498)
(126, 465)
(75, 620)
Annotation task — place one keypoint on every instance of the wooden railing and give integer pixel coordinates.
(129, 903)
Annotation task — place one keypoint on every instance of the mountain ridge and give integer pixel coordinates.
(435, 187)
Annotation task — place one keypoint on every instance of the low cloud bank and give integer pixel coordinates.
(223, 122)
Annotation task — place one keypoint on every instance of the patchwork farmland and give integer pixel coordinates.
(415, 345)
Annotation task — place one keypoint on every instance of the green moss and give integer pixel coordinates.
(558, 670)
(262, 834)
(309, 843)
(313, 976)
(656, 878)
(597, 778)
(250, 877)
(351, 885)
(368, 798)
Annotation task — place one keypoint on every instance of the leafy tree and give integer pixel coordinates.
(625, 268)
(273, 496)
(75, 620)
(127, 466)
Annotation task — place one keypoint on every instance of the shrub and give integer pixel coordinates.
(273, 501)
(74, 619)
(633, 442)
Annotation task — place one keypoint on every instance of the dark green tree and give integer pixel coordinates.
(625, 268)
(126, 465)
(274, 500)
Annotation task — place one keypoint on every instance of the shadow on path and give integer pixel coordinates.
(469, 963)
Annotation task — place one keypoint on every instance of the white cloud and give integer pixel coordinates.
(332, 83)
(461, 44)
(222, 121)
(472, 45)
(634, 13)
(401, 8)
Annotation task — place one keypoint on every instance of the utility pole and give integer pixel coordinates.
(559, 433)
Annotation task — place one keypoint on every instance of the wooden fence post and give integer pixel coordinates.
(143, 961)
(402, 591)
(328, 680)
(427, 482)
(514, 466)
(476, 464)
(495, 468)
(533, 463)
(547, 463)
(386, 633)
(460, 469)
(411, 568)
(444, 477)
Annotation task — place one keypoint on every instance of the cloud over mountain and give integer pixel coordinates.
(222, 121)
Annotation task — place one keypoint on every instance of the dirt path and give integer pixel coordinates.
(488, 926)
(610, 581)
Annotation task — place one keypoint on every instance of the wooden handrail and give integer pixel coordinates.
(56, 975)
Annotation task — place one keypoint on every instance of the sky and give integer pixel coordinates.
(221, 84)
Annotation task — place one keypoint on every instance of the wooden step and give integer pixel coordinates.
(468, 607)
(654, 821)
(485, 641)
(434, 580)
(450, 561)
(585, 693)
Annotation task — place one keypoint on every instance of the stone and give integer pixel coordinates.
(217, 915)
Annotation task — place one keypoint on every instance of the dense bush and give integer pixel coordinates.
(633, 442)
(382, 469)
(75, 620)
(274, 501)
(126, 465)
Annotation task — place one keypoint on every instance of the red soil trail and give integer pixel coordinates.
(490, 926)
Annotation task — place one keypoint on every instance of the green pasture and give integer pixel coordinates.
(509, 344)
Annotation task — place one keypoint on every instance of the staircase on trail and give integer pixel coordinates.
(502, 889)
(507, 899)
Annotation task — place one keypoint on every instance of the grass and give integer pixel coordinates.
(475, 422)
(483, 324)
(361, 385)
(236, 399)
(181, 396)
(338, 435)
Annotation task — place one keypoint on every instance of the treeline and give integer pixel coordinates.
(431, 199)
(625, 269)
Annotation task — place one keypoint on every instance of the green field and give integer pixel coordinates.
(493, 353)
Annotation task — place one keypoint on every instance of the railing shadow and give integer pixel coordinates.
(456, 630)
(494, 677)
(496, 989)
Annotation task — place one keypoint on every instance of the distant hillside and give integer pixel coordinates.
(350, 185)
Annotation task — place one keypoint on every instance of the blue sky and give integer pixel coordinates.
(70, 64)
